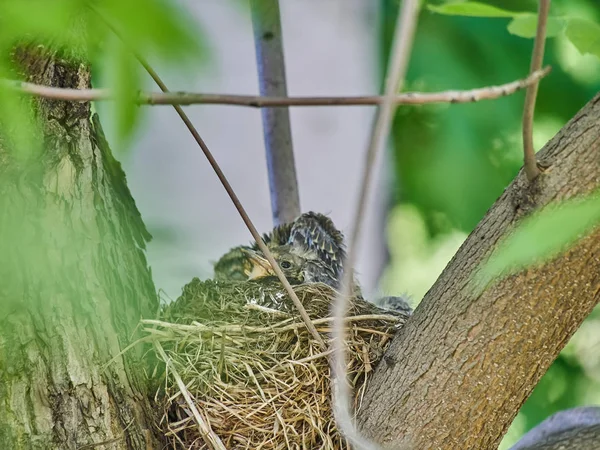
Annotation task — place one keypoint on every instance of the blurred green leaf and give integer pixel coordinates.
(39, 21)
(162, 32)
(525, 25)
(82, 30)
(543, 236)
(126, 73)
(585, 35)
(18, 128)
(472, 9)
(155, 27)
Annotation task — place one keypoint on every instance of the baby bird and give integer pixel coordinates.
(308, 250)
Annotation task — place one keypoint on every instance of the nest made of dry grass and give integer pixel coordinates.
(256, 377)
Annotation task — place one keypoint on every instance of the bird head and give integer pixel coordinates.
(299, 264)
(291, 264)
(308, 250)
(233, 265)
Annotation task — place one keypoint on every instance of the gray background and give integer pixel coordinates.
(330, 49)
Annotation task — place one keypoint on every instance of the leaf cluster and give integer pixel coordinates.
(584, 34)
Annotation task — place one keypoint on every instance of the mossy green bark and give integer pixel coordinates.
(75, 282)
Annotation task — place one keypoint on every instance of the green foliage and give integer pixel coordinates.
(83, 31)
(40, 20)
(125, 74)
(471, 9)
(18, 129)
(584, 34)
(543, 235)
(525, 25)
(453, 161)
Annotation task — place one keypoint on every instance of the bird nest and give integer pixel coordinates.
(237, 365)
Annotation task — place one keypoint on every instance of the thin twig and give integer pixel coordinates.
(398, 62)
(234, 198)
(283, 182)
(194, 98)
(537, 57)
(206, 431)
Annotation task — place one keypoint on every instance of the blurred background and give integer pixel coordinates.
(445, 167)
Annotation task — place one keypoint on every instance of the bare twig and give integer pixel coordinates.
(283, 183)
(537, 57)
(211, 439)
(232, 195)
(193, 98)
(396, 71)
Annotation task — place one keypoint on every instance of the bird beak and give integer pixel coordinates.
(259, 266)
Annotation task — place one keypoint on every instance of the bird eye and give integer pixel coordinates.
(285, 264)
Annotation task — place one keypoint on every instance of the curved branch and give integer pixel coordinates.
(467, 360)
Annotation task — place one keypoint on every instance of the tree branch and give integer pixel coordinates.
(193, 98)
(470, 356)
(537, 57)
(283, 183)
(400, 53)
(576, 428)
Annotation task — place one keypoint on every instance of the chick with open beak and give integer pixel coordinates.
(258, 267)
(308, 250)
(298, 263)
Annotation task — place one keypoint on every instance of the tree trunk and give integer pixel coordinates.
(74, 283)
(468, 359)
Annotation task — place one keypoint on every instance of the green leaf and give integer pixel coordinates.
(83, 32)
(39, 21)
(19, 132)
(17, 127)
(471, 9)
(543, 236)
(525, 25)
(155, 27)
(124, 74)
(585, 35)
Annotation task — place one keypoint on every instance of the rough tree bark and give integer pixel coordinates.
(74, 283)
(468, 359)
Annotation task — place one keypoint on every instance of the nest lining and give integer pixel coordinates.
(258, 379)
